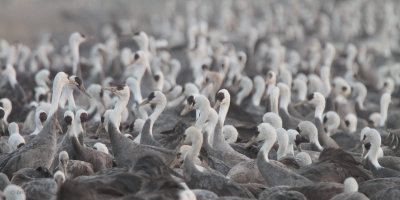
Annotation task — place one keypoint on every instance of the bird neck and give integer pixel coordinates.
(384, 110)
(223, 111)
(192, 154)
(157, 112)
(55, 98)
(283, 144)
(266, 147)
(314, 140)
(202, 116)
(258, 94)
(319, 109)
(284, 100)
(120, 105)
(373, 153)
(289, 150)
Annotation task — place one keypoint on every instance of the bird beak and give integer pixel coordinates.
(83, 89)
(90, 37)
(299, 147)
(186, 109)
(251, 142)
(301, 103)
(126, 34)
(59, 126)
(364, 154)
(217, 104)
(144, 102)
(112, 89)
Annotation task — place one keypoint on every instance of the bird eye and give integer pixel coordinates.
(2, 113)
(347, 122)
(137, 33)
(298, 129)
(364, 137)
(84, 117)
(68, 120)
(120, 87)
(151, 96)
(157, 77)
(102, 119)
(204, 67)
(136, 56)
(42, 97)
(220, 96)
(43, 116)
(78, 80)
(190, 100)
(367, 146)
(101, 93)
(344, 88)
(325, 119)
(385, 84)
(310, 96)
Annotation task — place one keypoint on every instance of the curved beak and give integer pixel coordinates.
(186, 109)
(83, 89)
(250, 142)
(111, 89)
(217, 104)
(144, 102)
(298, 146)
(90, 37)
(301, 103)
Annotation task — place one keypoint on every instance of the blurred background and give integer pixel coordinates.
(25, 20)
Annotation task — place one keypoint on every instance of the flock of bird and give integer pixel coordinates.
(230, 100)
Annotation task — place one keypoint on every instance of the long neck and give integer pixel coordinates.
(157, 112)
(203, 115)
(314, 140)
(120, 105)
(57, 88)
(283, 143)
(284, 100)
(223, 111)
(75, 56)
(302, 92)
(373, 154)
(192, 154)
(289, 150)
(319, 109)
(256, 98)
(384, 109)
(266, 148)
(360, 99)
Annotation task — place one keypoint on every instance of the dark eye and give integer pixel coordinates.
(298, 129)
(120, 87)
(136, 56)
(325, 119)
(84, 117)
(42, 97)
(298, 139)
(78, 80)
(344, 88)
(367, 146)
(1, 104)
(364, 137)
(157, 77)
(82, 35)
(347, 122)
(151, 96)
(137, 33)
(190, 100)
(385, 84)
(43, 116)
(223, 65)
(1, 113)
(310, 96)
(240, 58)
(204, 67)
(68, 120)
(102, 119)
(220, 96)
(101, 93)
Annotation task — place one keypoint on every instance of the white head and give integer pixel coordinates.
(230, 134)
(14, 192)
(273, 119)
(351, 122)
(374, 119)
(101, 147)
(371, 140)
(303, 158)
(331, 122)
(306, 128)
(350, 185)
(13, 128)
(77, 38)
(6, 104)
(59, 177)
